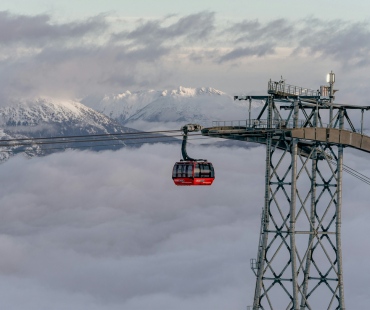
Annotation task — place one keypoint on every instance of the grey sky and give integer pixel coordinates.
(43, 56)
(354, 10)
(39, 29)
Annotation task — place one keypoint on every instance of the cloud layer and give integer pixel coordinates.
(39, 30)
(101, 54)
(110, 230)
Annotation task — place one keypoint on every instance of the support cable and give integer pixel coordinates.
(141, 135)
(46, 141)
(91, 136)
(355, 173)
(165, 140)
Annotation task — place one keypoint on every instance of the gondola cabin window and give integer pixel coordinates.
(204, 171)
(183, 171)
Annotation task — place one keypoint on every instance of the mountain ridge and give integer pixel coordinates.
(183, 104)
(45, 117)
(143, 110)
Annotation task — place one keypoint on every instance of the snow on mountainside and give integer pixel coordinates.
(182, 105)
(121, 106)
(64, 116)
(48, 118)
(143, 110)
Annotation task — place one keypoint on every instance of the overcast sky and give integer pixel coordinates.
(60, 49)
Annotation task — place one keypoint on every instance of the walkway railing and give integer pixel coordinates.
(282, 89)
(256, 124)
(262, 124)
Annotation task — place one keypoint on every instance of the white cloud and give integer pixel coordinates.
(110, 230)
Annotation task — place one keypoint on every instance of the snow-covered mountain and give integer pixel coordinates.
(121, 106)
(142, 110)
(181, 105)
(53, 118)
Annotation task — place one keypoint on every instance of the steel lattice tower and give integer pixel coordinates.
(299, 260)
(302, 207)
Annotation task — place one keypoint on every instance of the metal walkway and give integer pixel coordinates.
(327, 135)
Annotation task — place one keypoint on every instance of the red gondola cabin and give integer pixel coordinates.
(186, 173)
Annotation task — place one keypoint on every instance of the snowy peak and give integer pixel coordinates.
(201, 105)
(123, 105)
(175, 105)
(47, 117)
(30, 113)
(192, 92)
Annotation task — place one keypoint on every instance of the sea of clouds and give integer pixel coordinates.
(110, 230)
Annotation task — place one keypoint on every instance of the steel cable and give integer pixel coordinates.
(122, 137)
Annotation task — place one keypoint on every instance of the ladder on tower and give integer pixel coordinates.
(255, 263)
